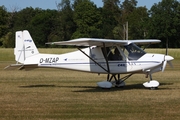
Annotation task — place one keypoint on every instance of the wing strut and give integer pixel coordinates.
(93, 60)
(106, 58)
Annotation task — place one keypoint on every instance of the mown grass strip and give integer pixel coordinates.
(45, 94)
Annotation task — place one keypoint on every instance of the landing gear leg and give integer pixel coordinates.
(150, 77)
(119, 82)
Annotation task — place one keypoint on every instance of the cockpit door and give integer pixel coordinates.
(114, 54)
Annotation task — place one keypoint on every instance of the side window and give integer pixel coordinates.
(113, 54)
(117, 55)
(108, 53)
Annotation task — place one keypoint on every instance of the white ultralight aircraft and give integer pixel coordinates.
(102, 56)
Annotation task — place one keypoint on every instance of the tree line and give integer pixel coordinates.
(82, 18)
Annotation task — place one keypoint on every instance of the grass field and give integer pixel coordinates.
(45, 94)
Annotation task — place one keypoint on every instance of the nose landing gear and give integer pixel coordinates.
(152, 84)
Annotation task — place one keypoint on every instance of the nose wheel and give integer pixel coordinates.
(152, 84)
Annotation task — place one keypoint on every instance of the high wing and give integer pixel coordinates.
(100, 42)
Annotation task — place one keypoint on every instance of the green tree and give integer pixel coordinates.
(128, 6)
(125, 15)
(3, 22)
(164, 22)
(76, 2)
(66, 26)
(111, 15)
(23, 17)
(87, 19)
(8, 40)
(42, 25)
(138, 20)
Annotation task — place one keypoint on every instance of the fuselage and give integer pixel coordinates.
(82, 61)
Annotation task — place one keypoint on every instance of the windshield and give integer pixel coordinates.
(133, 52)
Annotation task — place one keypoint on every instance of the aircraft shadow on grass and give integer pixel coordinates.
(37, 86)
(96, 88)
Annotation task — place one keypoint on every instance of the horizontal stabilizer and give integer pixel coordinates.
(21, 66)
(13, 66)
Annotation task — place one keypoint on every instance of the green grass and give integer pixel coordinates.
(44, 94)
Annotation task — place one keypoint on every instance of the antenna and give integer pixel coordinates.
(167, 46)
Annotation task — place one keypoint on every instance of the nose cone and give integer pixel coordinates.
(168, 58)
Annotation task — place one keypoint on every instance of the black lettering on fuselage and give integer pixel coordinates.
(49, 60)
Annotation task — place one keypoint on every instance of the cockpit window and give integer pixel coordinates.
(133, 52)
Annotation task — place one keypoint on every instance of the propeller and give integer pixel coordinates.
(164, 65)
(167, 58)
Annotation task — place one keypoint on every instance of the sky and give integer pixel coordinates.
(51, 4)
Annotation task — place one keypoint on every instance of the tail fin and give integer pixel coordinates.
(24, 47)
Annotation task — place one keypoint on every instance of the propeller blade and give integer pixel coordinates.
(167, 58)
(164, 65)
(167, 47)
